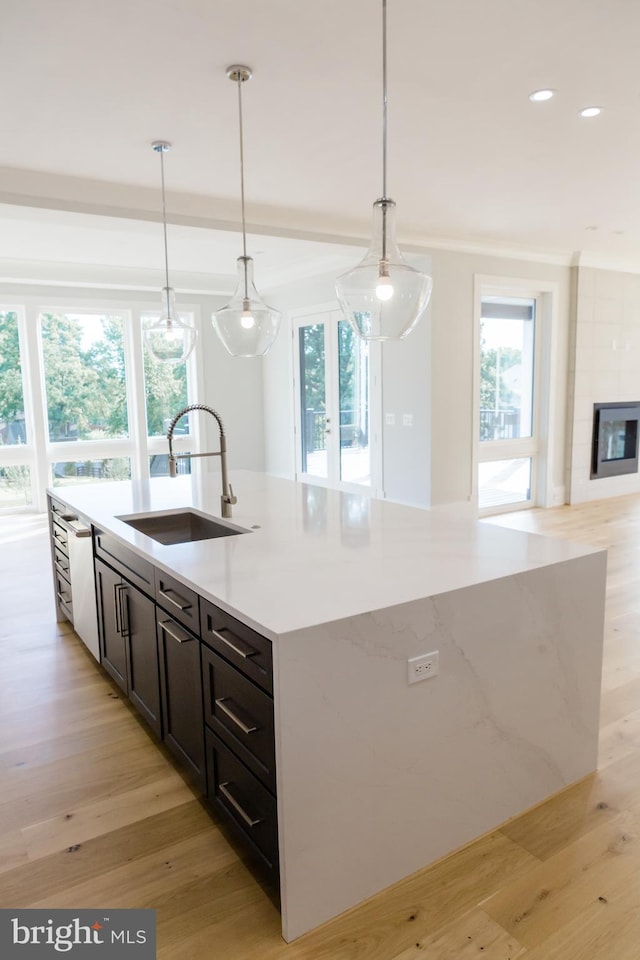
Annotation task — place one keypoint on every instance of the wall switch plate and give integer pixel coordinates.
(407, 419)
(390, 419)
(422, 667)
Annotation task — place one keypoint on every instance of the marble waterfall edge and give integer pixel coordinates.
(377, 778)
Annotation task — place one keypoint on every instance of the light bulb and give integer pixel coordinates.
(384, 287)
(246, 325)
(376, 307)
(247, 319)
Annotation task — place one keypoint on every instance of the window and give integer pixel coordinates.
(507, 441)
(80, 399)
(165, 389)
(12, 419)
(84, 373)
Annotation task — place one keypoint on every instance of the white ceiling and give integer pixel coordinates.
(87, 86)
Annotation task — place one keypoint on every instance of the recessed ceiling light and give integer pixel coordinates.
(591, 228)
(590, 112)
(539, 95)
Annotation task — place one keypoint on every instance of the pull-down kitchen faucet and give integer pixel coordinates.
(227, 499)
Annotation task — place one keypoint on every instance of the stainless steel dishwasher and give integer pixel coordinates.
(83, 588)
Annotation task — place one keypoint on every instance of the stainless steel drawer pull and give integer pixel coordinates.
(61, 567)
(250, 821)
(60, 538)
(222, 703)
(180, 602)
(63, 598)
(238, 645)
(174, 631)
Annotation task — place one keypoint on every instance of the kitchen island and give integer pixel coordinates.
(375, 777)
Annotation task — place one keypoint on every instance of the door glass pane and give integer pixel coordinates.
(353, 379)
(506, 368)
(86, 471)
(165, 386)
(15, 487)
(12, 423)
(84, 376)
(313, 401)
(504, 481)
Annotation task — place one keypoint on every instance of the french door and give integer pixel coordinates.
(333, 416)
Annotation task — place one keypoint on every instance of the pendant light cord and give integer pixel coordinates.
(384, 99)
(384, 129)
(164, 225)
(244, 226)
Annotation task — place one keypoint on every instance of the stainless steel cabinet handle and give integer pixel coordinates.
(180, 602)
(60, 538)
(117, 588)
(63, 598)
(124, 608)
(60, 565)
(250, 821)
(175, 631)
(222, 703)
(238, 645)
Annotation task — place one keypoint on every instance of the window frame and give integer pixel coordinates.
(40, 453)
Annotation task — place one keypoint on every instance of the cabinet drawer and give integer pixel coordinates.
(61, 561)
(138, 571)
(240, 714)
(63, 594)
(60, 538)
(178, 600)
(59, 509)
(234, 789)
(247, 650)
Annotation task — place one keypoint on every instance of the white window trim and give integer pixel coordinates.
(38, 453)
(546, 293)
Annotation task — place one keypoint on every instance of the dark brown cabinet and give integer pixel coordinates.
(237, 676)
(202, 679)
(58, 516)
(181, 689)
(127, 626)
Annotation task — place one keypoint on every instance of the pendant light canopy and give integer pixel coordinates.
(383, 297)
(246, 325)
(168, 339)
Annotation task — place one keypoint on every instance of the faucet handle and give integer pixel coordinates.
(231, 499)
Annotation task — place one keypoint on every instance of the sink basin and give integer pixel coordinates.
(182, 526)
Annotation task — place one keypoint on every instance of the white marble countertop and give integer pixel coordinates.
(315, 555)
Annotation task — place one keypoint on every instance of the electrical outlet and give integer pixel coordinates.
(407, 419)
(423, 667)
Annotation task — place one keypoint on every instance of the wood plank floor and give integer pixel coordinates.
(94, 814)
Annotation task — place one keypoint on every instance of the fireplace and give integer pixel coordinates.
(614, 449)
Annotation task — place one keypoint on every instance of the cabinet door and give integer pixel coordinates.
(112, 639)
(139, 616)
(181, 691)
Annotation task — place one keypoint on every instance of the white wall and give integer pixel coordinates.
(452, 341)
(429, 375)
(605, 368)
(406, 381)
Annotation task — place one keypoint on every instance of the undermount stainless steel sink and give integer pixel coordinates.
(181, 526)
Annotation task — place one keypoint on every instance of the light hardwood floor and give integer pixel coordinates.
(93, 814)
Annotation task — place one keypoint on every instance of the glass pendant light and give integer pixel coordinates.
(383, 297)
(168, 339)
(246, 325)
